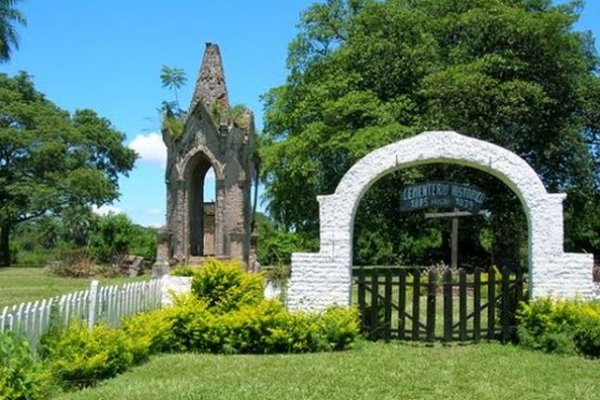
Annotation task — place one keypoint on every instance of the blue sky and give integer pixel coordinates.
(106, 55)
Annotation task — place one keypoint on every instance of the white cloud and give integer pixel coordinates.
(150, 148)
(106, 209)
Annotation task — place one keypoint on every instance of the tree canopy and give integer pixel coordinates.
(366, 73)
(9, 39)
(50, 160)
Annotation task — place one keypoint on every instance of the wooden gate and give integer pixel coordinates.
(408, 304)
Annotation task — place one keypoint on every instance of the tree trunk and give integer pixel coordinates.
(4, 245)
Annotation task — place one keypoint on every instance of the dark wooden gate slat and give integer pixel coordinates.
(518, 296)
(491, 303)
(415, 306)
(431, 289)
(447, 305)
(387, 333)
(506, 306)
(477, 306)
(379, 302)
(361, 299)
(374, 325)
(462, 304)
(402, 304)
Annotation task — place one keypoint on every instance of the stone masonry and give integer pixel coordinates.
(214, 139)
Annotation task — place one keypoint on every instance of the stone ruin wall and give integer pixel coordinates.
(210, 140)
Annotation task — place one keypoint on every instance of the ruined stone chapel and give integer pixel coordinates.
(218, 137)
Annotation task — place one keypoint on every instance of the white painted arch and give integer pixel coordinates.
(324, 278)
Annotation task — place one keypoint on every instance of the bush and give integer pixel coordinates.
(73, 264)
(341, 327)
(560, 326)
(143, 243)
(226, 313)
(587, 334)
(248, 329)
(21, 377)
(80, 357)
(189, 320)
(183, 270)
(263, 327)
(112, 238)
(33, 258)
(225, 286)
(152, 328)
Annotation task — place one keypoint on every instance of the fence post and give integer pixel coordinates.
(374, 325)
(431, 289)
(448, 308)
(92, 304)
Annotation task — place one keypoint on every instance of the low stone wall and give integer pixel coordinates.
(175, 285)
(172, 286)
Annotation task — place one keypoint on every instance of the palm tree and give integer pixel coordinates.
(9, 16)
(172, 78)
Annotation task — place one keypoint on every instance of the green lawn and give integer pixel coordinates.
(20, 284)
(374, 371)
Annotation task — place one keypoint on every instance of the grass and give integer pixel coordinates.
(21, 284)
(371, 371)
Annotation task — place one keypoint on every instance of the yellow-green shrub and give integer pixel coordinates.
(225, 286)
(247, 329)
(188, 319)
(78, 356)
(226, 313)
(183, 270)
(560, 326)
(264, 327)
(341, 326)
(153, 328)
(21, 377)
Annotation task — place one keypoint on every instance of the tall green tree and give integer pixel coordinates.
(365, 73)
(9, 17)
(50, 160)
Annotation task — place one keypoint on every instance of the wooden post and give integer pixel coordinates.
(455, 215)
(387, 332)
(448, 305)
(454, 251)
(361, 300)
(491, 329)
(415, 304)
(374, 326)
(477, 306)
(402, 304)
(462, 305)
(431, 289)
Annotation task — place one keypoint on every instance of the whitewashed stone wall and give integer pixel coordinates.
(324, 278)
(172, 286)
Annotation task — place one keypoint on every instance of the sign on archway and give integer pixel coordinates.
(441, 194)
(324, 278)
(464, 200)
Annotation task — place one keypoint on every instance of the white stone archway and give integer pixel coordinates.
(324, 278)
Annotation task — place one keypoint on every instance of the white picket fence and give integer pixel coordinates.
(99, 303)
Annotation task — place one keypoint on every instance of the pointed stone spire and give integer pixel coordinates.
(211, 90)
